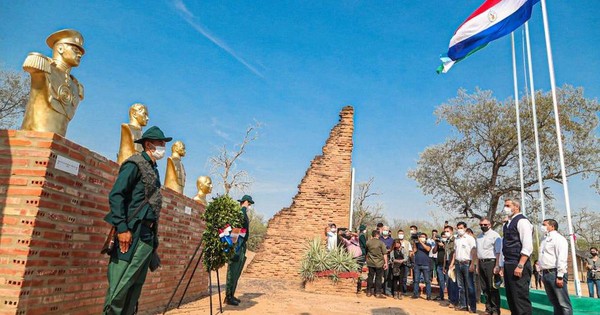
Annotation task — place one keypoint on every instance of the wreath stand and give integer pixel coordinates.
(190, 281)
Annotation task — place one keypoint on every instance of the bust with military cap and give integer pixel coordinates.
(135, 202)
(55, 93)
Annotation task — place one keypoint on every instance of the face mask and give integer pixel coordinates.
(385, 233)
(422, 239)
(333, 230)
(594, 254)
(446, 234)
(507, 210)
(444, 239)
(543, 228)
(401, 236)
(159, 152)
(485, 228)
(413, 232)
(461, 232)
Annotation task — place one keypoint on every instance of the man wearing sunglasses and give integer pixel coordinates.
(489, 246)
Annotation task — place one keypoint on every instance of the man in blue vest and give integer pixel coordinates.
(517, 247)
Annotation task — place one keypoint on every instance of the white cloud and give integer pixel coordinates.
(192, 21)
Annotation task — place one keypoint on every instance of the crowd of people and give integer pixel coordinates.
(458, 258)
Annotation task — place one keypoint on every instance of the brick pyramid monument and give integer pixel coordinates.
(323, 197)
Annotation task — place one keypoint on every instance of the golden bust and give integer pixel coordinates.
(55, 93)
(138, 118)
(175, 175)
(204, 185)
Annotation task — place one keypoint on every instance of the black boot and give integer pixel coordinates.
(235, 299)
(230, 301)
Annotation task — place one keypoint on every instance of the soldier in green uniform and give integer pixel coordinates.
(135, 203)
(236, 264)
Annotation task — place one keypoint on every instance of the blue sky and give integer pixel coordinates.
(207, 69)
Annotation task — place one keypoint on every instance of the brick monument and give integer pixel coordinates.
(323, 197)
(53, 197)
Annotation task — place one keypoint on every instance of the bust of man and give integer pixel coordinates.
(204, 185)
(138, 118)
(55, 93)
(175, 175)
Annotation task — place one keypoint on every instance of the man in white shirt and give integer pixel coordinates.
(553, 260)
(331, 233)
(489, 246)
(517, 246)
(465, 256)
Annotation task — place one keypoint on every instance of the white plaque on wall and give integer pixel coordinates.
(67, 165)
(187, 210)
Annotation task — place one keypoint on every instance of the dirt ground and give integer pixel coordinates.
(262, 296)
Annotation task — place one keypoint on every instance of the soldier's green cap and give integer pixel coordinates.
(153, 133)
(247, 198)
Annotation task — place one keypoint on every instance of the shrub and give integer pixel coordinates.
(317, 259)
(221, 211)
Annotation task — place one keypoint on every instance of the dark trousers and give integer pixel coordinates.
(466, 288)
(375, 275)
(517, 289)
(486, 278)
(387, 281)
(404, 279)
(559, 297)
(452, 291)
(442, 280)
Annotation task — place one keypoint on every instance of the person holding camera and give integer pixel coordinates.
(554, 252)
(421, 268)
(593, 275)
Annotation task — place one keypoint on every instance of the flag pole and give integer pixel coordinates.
(514, 63)
(535, 124)
(352, 200)
(560, 148)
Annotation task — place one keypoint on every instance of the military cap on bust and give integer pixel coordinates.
(67, 36)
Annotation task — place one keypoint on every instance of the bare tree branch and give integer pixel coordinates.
(224, 163)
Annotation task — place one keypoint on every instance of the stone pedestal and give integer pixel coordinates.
(53, 197)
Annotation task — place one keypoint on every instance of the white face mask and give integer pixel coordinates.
(385, 233)
(461, 232)
(333, 230)
(401, 236)
(446, 234)
(444, 239)
(422, 239)
(507, 210)
(159, 152)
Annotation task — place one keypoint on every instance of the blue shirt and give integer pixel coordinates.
(421, 256)
(389, 242)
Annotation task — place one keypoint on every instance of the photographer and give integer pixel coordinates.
(593, 274)
(440, 251)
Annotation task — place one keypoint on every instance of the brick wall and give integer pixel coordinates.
(323, 197)
(52, 230)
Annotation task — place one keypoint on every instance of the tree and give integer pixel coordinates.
(364, 213)
(478, 164)
(14, 94)
(585, 226)
(258, 229)
(224, 164)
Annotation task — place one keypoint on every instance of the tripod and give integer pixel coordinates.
(190, 281)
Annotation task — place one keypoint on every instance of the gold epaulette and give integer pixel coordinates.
(37, 61)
